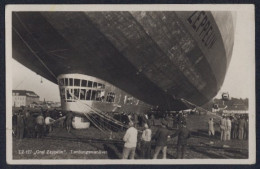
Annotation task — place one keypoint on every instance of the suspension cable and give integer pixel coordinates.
(34, 53)
(104, 117)
(94, 121)
(192, 104)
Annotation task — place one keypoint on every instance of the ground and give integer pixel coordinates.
(94, 144)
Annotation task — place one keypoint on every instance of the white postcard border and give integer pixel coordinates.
(249, 10)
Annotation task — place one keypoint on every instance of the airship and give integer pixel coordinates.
(126, 61)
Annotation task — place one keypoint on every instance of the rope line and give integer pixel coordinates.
(96, 122)
(186, 101)
(89, 118)
(100, 113)
(33, 52)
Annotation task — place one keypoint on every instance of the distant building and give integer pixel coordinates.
(52, 104)
(55, 105)
(233, 105)
(48, 104)
(24, 98)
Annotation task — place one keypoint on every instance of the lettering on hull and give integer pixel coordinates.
(202, 26)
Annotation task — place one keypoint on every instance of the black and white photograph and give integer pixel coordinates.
(130, 84)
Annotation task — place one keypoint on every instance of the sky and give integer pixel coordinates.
(238, 80)
(25, 79)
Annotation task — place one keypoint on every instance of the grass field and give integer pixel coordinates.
(90, 144)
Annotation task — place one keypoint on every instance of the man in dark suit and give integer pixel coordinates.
(14, 123)
(20, 125)
(29, 125)
(69, 117)
(161, 137)
(183, 135)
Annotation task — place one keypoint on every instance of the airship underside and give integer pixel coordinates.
(158, 57)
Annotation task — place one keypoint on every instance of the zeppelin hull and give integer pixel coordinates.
(158, 57)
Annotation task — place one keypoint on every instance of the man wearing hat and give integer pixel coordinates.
(14, 123)
(30, 125)
(241, 127)
(40, 125)
(211, 129)
(146, 141)
(223, 128)
(20, 125)
(183, 134)
(181, 118)
(161, 137)
(68, 121)
(228, 128)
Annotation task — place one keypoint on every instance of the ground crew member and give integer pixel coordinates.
(183, 134)
(14, 123)
(48, 122)
(146, 142)
(20, 125)
(161, 137)
(144, 119)
(62, 122)
(40, 125)
(69, 117)
(223, 128)
(130, 139)
(234, 128)
(211, 128)
(181, 119)
(246, 129)
(241, 128)
(30, 125)
(228, 128)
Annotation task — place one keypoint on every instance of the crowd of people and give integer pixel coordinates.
(161, 138)
(231, 127)
(37, 124)
(26, 125)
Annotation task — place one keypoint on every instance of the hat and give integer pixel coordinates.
(164, 122)
(131, 123)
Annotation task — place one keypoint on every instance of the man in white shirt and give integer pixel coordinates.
(130, 140)
(211, 127)
(228, 132)
(146, 142)
(223, 128)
